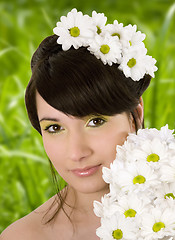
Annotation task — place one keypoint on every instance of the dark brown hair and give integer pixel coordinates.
(78, 84)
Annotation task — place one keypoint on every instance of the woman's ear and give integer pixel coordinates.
(139, 112)
(138, 116)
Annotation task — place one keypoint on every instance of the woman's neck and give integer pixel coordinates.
(82, 203)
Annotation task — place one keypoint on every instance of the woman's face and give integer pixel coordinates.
(80, 147)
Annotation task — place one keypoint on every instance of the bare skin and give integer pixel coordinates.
(75, 144)
(32, 226)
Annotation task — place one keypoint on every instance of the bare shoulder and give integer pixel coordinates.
(21, 229)
(32, 226)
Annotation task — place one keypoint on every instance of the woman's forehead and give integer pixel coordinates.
(47, 112)
(43, 108)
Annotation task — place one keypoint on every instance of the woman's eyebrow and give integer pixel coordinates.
(49, 119)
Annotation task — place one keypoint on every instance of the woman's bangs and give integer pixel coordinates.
(93, 89)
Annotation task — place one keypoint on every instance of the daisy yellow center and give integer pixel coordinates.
(117, 234)
(98, 30)
(139, 179)
(153, 157)
(158, 226)
(131, 63)
(105, 48)
(169, 195)
(116, 34)
(74, 32)
(130, 213)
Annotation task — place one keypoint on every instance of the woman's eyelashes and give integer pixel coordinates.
(96, 122)
(92, 122)
(53, 128)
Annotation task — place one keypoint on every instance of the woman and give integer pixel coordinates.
(84, 97)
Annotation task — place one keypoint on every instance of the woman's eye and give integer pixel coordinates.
(96, 122)
(55, 128)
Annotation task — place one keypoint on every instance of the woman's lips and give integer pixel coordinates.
(87, 171)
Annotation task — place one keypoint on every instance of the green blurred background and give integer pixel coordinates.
(25, 179)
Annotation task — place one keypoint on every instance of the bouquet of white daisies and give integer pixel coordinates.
(141, 201)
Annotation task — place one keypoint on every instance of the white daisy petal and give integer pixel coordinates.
(168, 172)
(134, 37)
(106, 208)
(158, 223)
(117, 227)
(133, 62)
(99, 20)
(74, 29)
(142, 187)
(116, 30)
(111, 43)
(106, 48)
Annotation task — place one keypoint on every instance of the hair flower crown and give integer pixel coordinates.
(112, 43)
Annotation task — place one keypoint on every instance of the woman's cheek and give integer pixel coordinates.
(49, 148)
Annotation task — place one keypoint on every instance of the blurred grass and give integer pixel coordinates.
(25, 180)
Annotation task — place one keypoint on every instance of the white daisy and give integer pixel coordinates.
(166, 191)
(168, 171)
(154, 152)
(165, 196)
(133, 205)
(150, 65)
(106, 48)
(125, 152)
(135, 177)
(106, 208)
(116, 30)
(142, 192)
(168, 203)
(142, 135)
(121, 150)
(108, 173)
(134, 37)
(99, 20)
(117, 227)
(109, 177)
(134, 61)
(158, 223)
(172, 145)
(74, 30)
(118, 44)
(164, 134)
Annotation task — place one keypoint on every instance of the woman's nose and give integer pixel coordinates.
(78, 147)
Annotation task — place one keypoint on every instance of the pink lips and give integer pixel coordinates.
(85, 172)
